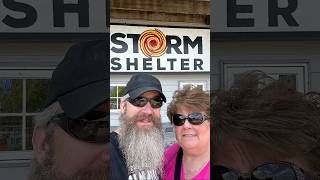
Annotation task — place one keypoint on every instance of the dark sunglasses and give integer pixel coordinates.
(268, 171)
(91, 128)
(195, 118)
(142, 101)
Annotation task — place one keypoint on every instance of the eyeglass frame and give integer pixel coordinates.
(63, 122)
(130, 100)
(298, 172)
(204, 118)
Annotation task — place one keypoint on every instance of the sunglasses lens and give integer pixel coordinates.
(92, 115)
(275, 171)
(139, 101)
(156, 102)
(142, 101)
(223, 173)
(196, 118)
(90, 130)
(178, 119)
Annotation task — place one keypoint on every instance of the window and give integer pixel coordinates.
(295, 74)
(169, 135)
(23, 94)
(116, 92)
(193, 84)
(169, 129)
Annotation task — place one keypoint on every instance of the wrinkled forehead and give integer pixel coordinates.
(151, 94)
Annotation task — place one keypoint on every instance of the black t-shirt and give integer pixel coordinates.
(118, 168)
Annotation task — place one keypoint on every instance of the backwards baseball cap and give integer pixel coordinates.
(80, 81)
(141, 83)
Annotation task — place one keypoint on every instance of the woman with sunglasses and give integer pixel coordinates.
(190, 158)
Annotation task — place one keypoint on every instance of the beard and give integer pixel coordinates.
(48, 171)
(143, 147)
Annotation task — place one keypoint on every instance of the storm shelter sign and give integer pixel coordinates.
(53, 16)
(265, 16)
(157, 49)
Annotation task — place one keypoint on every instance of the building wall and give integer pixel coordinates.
(24, 61)
(192, 13)
(264, 52)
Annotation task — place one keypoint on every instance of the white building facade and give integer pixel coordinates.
(280, 38)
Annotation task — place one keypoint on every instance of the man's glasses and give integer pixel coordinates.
(195, 118)
(90, 128)
(142, 101)
(268, 171)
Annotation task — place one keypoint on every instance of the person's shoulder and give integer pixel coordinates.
(171, 151)
(173, 147)
(114, 138)
(170, 156)
(113, 134)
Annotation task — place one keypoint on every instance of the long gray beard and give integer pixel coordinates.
(143, 148)
(48, 171)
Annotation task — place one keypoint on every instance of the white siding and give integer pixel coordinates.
(28, 55)
(274, 52)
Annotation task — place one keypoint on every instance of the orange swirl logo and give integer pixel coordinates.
(153, 43)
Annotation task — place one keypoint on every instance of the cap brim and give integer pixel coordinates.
(78, 102)
(137, 92)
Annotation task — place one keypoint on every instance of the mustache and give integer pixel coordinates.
(93, 175)
(131, 121)
(145, 117)
(49, 172)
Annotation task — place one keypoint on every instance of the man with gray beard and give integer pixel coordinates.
(137, 147)
(70, 137)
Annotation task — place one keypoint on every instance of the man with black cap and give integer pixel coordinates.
(136, 148)
(70, 136)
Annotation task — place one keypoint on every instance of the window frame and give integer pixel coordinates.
(299, 69)
(195, 82)
(24, 74)
(116, 84)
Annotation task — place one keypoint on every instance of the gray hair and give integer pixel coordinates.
(47, 114)
(125, 97)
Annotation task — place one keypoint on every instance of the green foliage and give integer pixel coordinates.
(11, 101)
(37, 91)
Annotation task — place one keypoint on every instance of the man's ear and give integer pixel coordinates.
(122, 106)
(40, 147)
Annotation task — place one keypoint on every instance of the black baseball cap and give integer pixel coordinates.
(80, 82)
(141, 83)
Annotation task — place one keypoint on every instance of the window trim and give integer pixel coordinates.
(23, 74)
(227, 66)
(116, 84)
(196, 82)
